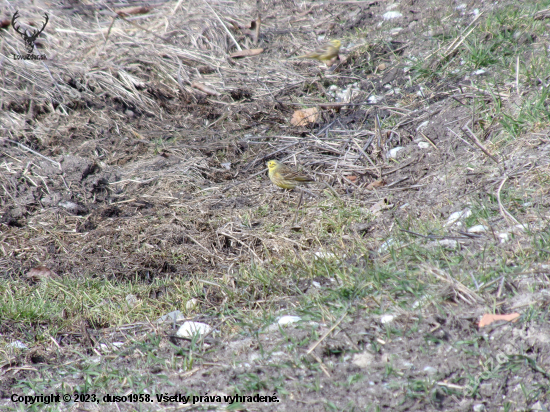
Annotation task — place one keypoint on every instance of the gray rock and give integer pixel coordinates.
(171, 317)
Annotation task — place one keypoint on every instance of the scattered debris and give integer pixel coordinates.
(487, 319)
(304, 117)
(246, 53)
(40, 273)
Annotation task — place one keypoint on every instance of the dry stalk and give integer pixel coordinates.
(465, 293)
(466, 130)
(505, 214)
(28, 149)
(312, 347)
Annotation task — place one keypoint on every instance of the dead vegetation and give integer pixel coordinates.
(135, 154)
(95, 118)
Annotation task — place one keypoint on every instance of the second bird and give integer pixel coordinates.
(324, 53)
(285, 177)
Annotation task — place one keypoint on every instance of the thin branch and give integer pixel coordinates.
(223, 25)
(507, 216)
(478, 143)
(22, 146)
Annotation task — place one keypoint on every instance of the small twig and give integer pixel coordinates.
(176, 7)
(242, 243)
(245, 180)
(434, 237)
(457, 135)
(256, 36)
(417, 234)
(492, 282)
(517, 75)
(475, 281)
(22, 146)
(451, 385)
(321, 364)
(223, 25)
(500, 287)
(429, 140)
(502, 209)
(297, 208)
(200, 245)
(332, 105)
(478, 143)
(400, 167)
(325, 184)
(109, 31)
(396, 182)
(139, 26)
(205, 89)
(462, 37)
(378, 134)
(368, 158)
(312, 348)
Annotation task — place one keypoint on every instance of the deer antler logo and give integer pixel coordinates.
(29, 39)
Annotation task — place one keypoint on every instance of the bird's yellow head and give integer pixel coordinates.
(336, 43)
(272, 164)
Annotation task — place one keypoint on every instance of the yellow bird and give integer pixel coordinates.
(283, 176)
(324, 53)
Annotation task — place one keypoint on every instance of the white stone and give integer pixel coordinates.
(363, 360)
(392, 154)
(324, 255)
(103, 347)
(386, 245)
(132, 300)
(456, 216)
(429, 370)
(174, 316)
(478, 229)
(17, 344)
(374, 99)
(424, 145)
(287, 320)
(503, 237)
(446, 243)
(538, 407)
(422, 125)
(191, 304)
(386, 319)
(188, 329)
(391, 15)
